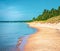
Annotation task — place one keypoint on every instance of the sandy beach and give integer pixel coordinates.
(47, 37)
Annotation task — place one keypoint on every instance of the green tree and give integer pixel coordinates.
(59, 10)
(34, 18)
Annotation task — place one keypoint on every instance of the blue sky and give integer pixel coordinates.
(24, 9)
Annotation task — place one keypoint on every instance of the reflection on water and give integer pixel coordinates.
(9, 34)
(8, 48)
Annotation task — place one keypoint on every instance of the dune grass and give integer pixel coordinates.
(55, 19)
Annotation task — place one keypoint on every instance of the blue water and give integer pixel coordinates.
(11, 32)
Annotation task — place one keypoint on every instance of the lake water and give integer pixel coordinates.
(11, 32)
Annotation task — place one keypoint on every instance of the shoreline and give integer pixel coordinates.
(40, 40)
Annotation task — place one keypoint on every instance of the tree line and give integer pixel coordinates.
(48, 14)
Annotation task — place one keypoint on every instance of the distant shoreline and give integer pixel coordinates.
(13, 21)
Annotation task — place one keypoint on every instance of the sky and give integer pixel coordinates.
(11, 10)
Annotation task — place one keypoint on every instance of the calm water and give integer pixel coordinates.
(11, 32)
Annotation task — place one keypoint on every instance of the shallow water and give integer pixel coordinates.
(11, 32)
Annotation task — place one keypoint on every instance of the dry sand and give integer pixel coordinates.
(47, 37)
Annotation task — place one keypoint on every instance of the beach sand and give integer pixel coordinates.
(47, 37)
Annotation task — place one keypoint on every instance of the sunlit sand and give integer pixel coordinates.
(47, 37)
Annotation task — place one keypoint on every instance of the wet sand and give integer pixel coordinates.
(47, 38)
